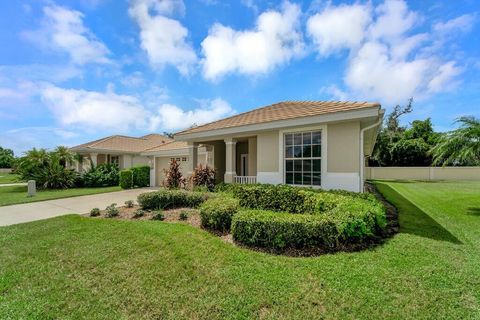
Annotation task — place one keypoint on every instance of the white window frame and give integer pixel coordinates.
(324, 155)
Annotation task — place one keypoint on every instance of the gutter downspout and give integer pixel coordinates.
(362, 153)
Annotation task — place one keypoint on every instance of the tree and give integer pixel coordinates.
(460, 146)
(7, 158)
(410, 153)
(64, 154)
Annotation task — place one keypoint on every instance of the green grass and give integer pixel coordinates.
(18, 194)
(8, 178)
(74, 267)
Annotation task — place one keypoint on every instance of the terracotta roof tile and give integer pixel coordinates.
(281, 111)
(124, 143)
(173, 145)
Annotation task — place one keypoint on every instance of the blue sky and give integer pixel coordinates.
(72, 71)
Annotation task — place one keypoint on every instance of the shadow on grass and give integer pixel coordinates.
(473, 211)
(415, 221)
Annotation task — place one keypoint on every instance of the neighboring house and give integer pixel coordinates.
(309, 143)
(122, 150)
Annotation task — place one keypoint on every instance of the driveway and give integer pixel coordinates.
(20, 213)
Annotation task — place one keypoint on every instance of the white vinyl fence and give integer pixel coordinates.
(423, 173)
(7, 170)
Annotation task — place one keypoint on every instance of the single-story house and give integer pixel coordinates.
(308, 143)
(122, 150)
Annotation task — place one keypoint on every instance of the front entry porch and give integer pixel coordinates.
(234, 159)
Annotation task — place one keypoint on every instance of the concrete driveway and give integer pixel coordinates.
(20, 213)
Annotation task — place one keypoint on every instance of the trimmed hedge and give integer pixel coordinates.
(167, 199)
(141, 176)
(277, 230)
(216, 213)
(320, 218)
(126, 179)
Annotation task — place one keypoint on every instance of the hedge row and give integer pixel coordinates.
(168, 199)
(216, 213)
(138, 176)
(278, 230)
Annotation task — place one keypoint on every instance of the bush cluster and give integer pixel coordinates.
(138, 176)
(103, 175)
(112, 211)
(167, 199)
(216, 213)
(203, 176)
(325, 218)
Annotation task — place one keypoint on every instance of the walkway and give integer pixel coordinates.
(20, 213)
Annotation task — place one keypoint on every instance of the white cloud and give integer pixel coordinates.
(338, 28)
(387, 61)
(164, 39)
(171, 117)
(463, 23)
(274, 41)
(442, 80)
(134, 79)
(63, 31)
(23, 139)
(109, 111)
(94, 110)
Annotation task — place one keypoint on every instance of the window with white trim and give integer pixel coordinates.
(303, 158)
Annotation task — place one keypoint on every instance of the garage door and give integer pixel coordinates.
(163, 163)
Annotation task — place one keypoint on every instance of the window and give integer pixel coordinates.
(114, 160)
(184, 159)
(303, 158)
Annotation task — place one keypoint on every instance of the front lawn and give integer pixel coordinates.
(18, 194)
(76, 267)
(8, 178)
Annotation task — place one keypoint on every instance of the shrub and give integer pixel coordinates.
(112, 211)
(103, 175)
(167, 199)
(141, 176)
(129, 203)
(276, 230)
(158, 215)
(138, 213)
(95, 212)
(183, 215)
(203, 176)
(126, 179)
(46, 169)
(173, 176)
(217, 213)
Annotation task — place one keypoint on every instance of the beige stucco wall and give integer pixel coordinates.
(267, 151)
(343, 147)
(423, 173)
(139, 160)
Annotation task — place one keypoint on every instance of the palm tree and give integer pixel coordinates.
(65, 156)
(460, 146)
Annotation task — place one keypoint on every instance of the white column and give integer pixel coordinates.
(192, 156)
(230, 158)
(93, 157)
(153, 172)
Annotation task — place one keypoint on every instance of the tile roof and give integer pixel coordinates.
(124, 143)
(281, 111)
(173, 145)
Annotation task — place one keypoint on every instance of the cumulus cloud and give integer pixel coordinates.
(171, 117)
(63, 31)
(273, 41)
(100, 111)
(94, 110)
(387, 60)
(164, 39)
(337, 28)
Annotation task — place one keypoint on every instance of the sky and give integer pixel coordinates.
(74, 71)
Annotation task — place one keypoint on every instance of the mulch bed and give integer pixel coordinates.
(173, 215)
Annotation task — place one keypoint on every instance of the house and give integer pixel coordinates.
(122, 150)
(308, 143)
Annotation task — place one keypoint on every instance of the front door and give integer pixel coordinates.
(244, 164)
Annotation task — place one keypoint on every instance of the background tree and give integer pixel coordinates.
(460, 146)
(7, 158)
(65, 156)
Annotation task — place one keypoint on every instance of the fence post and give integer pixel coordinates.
(32, 188)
